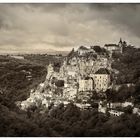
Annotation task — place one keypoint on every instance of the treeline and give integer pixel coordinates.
(45, 59)
(67, 121)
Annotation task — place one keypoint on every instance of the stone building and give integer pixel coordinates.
(101, 80)
(86, 84)
(117, 48)
(82, 50)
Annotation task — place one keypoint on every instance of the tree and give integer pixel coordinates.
(97, 49)
(71, 113)
(128, 110)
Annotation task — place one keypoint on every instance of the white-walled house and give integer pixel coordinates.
(115, 112)
(118, 104)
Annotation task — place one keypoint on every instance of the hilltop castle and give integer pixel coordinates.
(116, 48)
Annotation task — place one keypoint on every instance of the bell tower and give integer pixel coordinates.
(120, 45)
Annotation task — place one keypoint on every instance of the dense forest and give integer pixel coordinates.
(67, 121)
(128, 65)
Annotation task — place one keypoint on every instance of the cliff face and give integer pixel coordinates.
(63, 86)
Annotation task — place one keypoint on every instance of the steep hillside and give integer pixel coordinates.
(17, 77)
(128, 76)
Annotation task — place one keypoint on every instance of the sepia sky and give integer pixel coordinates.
(39, 28)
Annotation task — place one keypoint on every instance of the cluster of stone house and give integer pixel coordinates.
(113, 108)
(97, 81)
(82, 72)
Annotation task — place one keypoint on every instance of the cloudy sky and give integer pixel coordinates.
(39, 28)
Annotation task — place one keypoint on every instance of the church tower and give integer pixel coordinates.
(120, 45)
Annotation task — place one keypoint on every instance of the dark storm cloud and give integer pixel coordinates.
(30, 27)
(125, 16)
